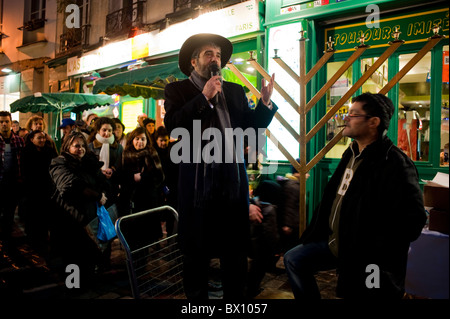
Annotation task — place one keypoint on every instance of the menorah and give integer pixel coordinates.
(303, 137)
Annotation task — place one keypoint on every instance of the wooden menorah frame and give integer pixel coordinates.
(303, 137)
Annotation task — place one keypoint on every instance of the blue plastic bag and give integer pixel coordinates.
(106, 230)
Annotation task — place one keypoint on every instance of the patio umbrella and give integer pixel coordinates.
(60, 103)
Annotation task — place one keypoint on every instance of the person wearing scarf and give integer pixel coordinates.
(213, 194)
(103, 144)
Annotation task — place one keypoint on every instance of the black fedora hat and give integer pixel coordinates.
(195, 42)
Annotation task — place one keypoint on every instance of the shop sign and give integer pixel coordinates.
(9, 83)
(229, 22)
(111, 54)
(416, 27)
(290, 9)
(445, 66)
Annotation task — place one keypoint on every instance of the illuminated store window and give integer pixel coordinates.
(240, 61)
(284, 39)
(414, 108)
(444, 109)
(334, 94)
(378, 79)
(130, 111)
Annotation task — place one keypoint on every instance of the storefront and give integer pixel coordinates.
(149, 60)
(9, 92)
(420, 124)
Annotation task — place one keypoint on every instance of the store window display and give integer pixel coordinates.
(414, 109)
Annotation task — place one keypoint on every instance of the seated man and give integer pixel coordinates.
(371, 209)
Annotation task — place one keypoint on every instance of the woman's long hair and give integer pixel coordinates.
(131, 155)
(130, 137)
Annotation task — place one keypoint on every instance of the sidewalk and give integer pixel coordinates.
(25, 275)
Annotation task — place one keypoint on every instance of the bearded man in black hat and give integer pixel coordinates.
(213, 202)
(371, 210)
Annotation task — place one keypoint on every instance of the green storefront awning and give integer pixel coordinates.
(146, 82)
(149, 81)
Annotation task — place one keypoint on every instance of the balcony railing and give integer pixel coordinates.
(33, 25)
(121, 21)
(73, 38)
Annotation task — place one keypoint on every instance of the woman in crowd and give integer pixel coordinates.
(142, 177)
(150, 125)
(35, 161)
(103, 144)
(37, 122)
(15, 127)
(119, 132)
(80, 188)
(170, 190)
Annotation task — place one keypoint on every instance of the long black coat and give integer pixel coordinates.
(223, 220)
(381, 213)
(78, 187)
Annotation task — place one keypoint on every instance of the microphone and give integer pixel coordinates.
(215, 70)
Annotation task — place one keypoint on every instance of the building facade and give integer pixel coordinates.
(27, 40)
(420, 124)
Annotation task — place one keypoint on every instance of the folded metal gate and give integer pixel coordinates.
(154, 264)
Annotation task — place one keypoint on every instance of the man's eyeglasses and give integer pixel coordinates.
(358, 115)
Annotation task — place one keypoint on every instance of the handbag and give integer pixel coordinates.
(106, 230)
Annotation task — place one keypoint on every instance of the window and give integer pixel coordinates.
(284, 39)
(334, 94)
(73, 37)
(34, 10)
(414, 109)
(444, 109)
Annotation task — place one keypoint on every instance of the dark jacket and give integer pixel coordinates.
(115, 159)
(184, 103)
(78, 185)
(171, 176)
(34, 168)
(381, 213)
(145, 194)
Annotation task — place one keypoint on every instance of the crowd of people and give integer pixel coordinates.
(96, 165)
(371, 209)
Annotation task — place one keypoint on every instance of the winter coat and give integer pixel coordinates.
(184, 103)
(381, 213)
(115, 152)
(78, 185)
(115, 159)
(144, 194)
(34, 168)
(37, 183)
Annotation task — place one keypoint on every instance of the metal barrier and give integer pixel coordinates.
(154, 264)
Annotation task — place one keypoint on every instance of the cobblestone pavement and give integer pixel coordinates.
(24, 274)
